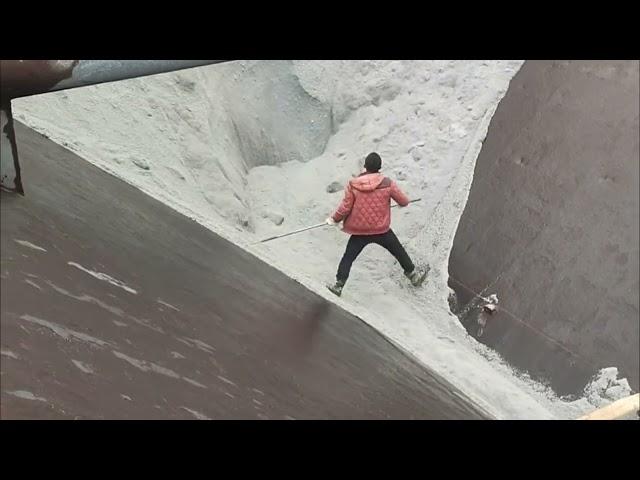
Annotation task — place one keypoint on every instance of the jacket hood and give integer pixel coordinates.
(367, 181)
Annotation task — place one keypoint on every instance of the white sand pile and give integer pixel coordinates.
(252, 149)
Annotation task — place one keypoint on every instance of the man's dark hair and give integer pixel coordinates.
(373, 162)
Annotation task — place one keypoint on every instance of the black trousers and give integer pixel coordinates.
(356, 244)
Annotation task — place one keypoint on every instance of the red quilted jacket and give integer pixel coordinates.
(366, 206)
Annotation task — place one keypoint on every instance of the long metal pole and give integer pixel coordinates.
(312, 227)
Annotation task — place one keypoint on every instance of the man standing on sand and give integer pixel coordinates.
(366, 212)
